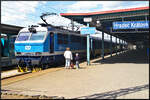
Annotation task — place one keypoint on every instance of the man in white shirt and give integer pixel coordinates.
(68, 57)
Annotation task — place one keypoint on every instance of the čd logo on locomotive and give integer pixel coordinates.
(27, 47)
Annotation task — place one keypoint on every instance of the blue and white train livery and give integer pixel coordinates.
(41, 46)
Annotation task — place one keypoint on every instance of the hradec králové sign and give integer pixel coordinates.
(131, 25)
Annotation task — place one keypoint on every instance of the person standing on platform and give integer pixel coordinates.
(77, 61)
(68, 57)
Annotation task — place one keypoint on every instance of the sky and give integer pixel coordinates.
(25, 13)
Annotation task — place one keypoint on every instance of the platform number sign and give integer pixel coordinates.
(88, 30)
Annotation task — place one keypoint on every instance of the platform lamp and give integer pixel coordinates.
(98, 23)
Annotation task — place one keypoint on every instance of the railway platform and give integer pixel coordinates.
(122, 76)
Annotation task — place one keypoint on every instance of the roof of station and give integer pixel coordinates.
(10, 29)
(106, 19)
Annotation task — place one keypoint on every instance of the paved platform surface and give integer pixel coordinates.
(9, 73)
(125, 76)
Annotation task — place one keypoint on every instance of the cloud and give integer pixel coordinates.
(93, 6)
(14, 12)
(24, 13)
(82, 6)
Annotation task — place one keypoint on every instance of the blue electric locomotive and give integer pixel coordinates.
(41, 46)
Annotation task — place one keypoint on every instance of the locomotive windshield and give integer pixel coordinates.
(37, 36)
(23, 36)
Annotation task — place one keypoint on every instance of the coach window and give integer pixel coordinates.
(72, 38)
(84, 41)
(78, 39)
(60, 38)
(75, 39)
(65, 37)
(51, 42)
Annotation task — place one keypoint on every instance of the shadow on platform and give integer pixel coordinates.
(116, 93)
(134, 56)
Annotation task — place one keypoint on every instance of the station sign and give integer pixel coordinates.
(87, 30)
(131, 25)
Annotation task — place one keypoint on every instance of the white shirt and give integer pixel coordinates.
(68, 54)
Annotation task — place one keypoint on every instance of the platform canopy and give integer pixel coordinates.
(10, 29)
(106, 19)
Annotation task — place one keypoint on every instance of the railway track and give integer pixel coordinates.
(7, 68)
(12, 73)
(22, 76)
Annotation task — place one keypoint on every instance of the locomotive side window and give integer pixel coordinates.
(75, 39)
(59, 37)
(62, 39)
(51, 42)
(65, 37)
(72, 38)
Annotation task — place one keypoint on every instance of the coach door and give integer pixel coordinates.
(51, 42)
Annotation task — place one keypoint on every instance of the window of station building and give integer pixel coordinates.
(106, 45)
(12, 48)
(97, 44)
(94, 43)
(4, 45)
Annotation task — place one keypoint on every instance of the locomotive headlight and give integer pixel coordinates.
(18, 52)
(38, 53)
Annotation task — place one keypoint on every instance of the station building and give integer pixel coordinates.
(103, 21)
